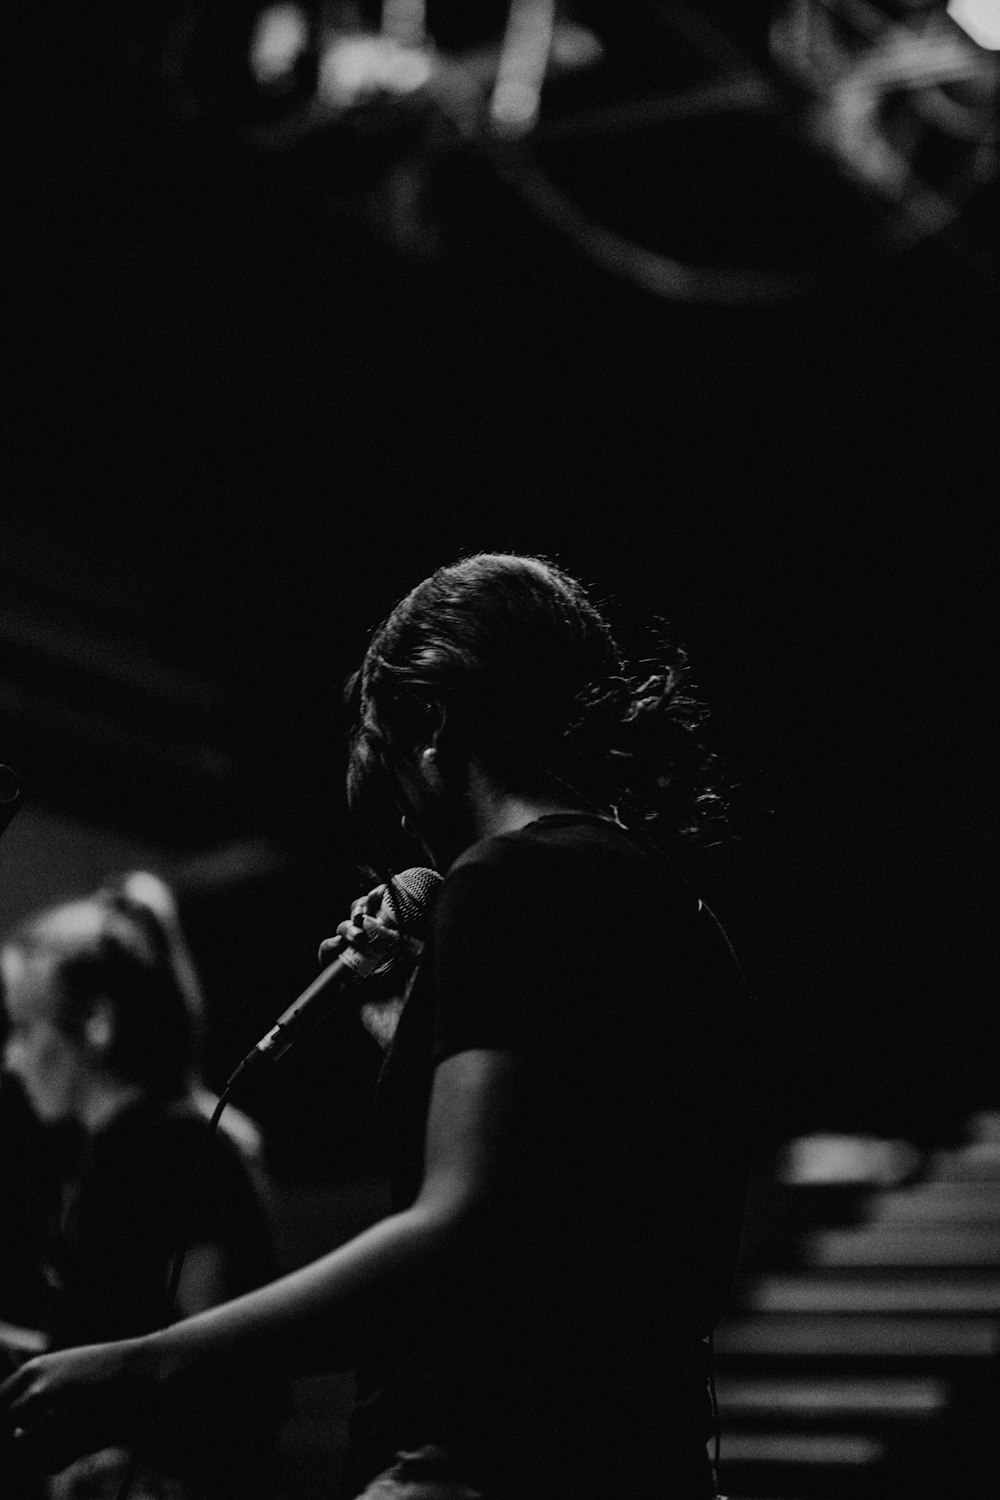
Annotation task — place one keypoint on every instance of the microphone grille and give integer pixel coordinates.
(409, 895)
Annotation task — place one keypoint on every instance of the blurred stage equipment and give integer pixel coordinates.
(711, 153)
(664, 148)
(902, 99)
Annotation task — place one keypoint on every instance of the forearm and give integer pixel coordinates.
(309, 1319)
(480, 1156)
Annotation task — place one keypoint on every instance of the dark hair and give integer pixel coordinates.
(532, 682)
(124, 945)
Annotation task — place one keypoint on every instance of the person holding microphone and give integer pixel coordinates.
(566, 1102)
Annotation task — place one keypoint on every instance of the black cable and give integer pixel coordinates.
(135, 1459)
(397, 899)
(714, 1398)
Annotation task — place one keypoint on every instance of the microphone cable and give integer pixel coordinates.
(135, 1458)
(400, 901)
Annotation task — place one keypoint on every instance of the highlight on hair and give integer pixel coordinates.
(531, 681)
(123, 946)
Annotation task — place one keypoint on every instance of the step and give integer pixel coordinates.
(776, 1336)
(805, 1293)
(840, 1466)
(891, 1246)
(839, 1159)
(944, 1203)
(846, 1399)
(849, 1450)
(976, 1163)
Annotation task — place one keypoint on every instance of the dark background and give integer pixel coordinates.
(242, 418)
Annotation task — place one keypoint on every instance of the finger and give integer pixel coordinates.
(368, 942)
(368, 904)
(352, 929)
(370, 936)
(22, 1416)
(378, 934)
(384, 940)
(348, 933)
(11, 1393)
(328, 950)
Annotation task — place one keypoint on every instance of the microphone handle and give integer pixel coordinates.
(311, 1007)
(306, 1012)
(316, 1002)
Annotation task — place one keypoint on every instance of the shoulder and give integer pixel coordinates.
(558, 888)
(505, 875)
(232, 1150)
(571, 858)
(150, 1137)
(141, 1159)
(159, 1140)
(551, 841)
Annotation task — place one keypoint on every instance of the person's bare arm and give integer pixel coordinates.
(483, 1114)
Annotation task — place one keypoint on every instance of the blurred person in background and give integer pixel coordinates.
(567, 1100)
(104, 1019)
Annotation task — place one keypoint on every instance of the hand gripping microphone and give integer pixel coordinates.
(405, 905)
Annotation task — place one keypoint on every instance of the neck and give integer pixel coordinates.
(483, 809)
(496, 810)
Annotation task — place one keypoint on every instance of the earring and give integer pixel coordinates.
(430, 753)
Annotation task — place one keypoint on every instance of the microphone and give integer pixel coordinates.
(405, 905)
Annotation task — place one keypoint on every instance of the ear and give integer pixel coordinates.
(99, 1028)
(437, 720)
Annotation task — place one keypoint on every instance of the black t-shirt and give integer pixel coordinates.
(141, 1188)
(571, 1349)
